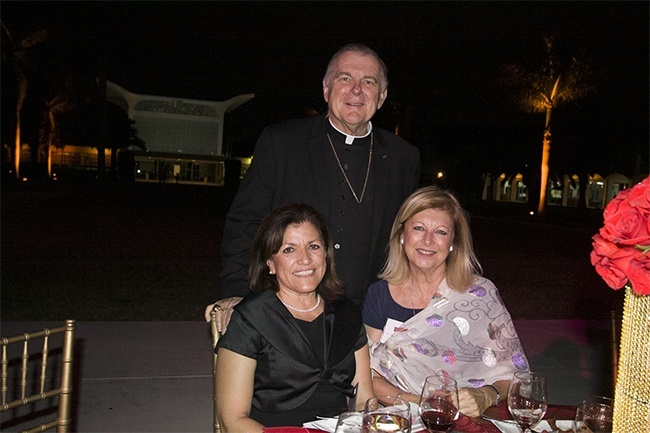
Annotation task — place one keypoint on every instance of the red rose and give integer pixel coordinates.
(640, 197)
(639, 273)
(606, 248)
(626, 217)
(611, 262)
(612, 274)
(621, 247)
(627, 226)
(612, 206)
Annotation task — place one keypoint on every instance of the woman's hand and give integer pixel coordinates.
(362, 377)
(474, 401)
(223, 310)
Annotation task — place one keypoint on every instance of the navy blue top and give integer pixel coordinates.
(379, 306)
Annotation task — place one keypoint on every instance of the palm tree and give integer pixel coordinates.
(49, 132)
(100, 138)
(120, 134)
(62, 101)
(16, 54)
(541, 89)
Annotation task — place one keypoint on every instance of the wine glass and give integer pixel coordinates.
(594, 414)
(386, 414)
(527, 400)
(439, 403)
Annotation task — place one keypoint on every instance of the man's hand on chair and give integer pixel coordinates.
(223, 310)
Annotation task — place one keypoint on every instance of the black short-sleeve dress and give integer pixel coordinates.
(304, 369)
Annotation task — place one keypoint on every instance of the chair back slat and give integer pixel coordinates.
(65, 405)
(42, 427)
(45, 351)
(19, 402)
(64, 381)
(23, 367)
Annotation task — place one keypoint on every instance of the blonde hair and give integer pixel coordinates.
(462, 265)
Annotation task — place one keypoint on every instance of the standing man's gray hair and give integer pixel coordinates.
(364, 51)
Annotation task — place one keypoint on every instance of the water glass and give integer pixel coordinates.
(594, 415)
(349, 422)
(386, 414)
(527, 399)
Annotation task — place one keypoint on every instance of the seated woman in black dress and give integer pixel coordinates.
(295, 347)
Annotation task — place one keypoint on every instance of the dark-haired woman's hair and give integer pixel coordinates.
(268, 241)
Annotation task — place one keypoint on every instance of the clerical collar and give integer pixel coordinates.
(349, 139)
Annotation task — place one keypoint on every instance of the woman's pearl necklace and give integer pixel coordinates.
(298, 309)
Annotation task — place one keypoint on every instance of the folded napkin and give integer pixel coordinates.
(416, 422)
(542, 426)
(329, 424)
(291, 430)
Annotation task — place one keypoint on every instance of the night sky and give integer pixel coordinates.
(445, 63)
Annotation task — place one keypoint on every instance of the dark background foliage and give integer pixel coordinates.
(151, 252)
(446, 65)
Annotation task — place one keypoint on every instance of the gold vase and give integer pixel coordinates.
(632, 395)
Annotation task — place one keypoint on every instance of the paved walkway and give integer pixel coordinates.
(156, 376)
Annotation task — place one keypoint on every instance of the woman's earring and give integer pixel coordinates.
(451, 248)
(401, 241)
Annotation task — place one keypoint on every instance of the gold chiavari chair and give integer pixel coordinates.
(215, 339)
(39, 391)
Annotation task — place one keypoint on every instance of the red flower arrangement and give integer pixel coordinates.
(622, 246)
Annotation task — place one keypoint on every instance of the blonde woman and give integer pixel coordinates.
(433, 313)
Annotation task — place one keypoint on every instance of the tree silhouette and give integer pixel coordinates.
(64, 95)
(17, 56)
(120, 134)
(543, 87)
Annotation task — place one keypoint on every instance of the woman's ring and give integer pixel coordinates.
(218, 307)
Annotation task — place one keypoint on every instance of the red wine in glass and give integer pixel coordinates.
(438, 401)
(437, 421)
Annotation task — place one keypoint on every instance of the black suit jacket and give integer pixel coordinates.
(290, 165)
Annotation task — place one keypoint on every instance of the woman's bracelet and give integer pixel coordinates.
(498, 394)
